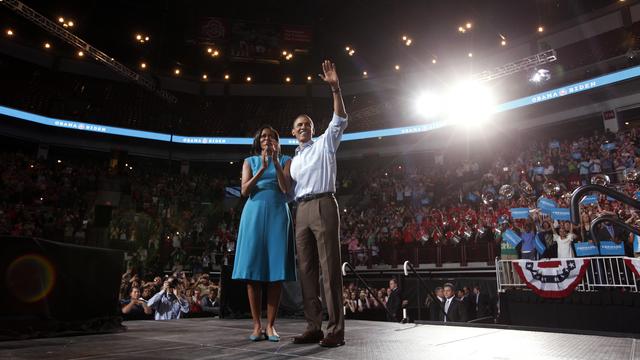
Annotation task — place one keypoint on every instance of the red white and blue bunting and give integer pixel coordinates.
(633, 264)
(552, 278)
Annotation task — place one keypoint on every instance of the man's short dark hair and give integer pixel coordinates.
(449, 285)
(438, 288)
(296, 118)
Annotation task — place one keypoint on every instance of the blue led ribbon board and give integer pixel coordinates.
(200, 140)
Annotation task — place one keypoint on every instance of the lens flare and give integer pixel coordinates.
(30, 278)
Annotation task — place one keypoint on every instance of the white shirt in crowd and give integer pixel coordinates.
(313, 168)
(446, 307)
(565, 249)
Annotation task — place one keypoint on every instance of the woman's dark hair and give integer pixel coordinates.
(255, 148)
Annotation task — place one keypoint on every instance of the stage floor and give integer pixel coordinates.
(208, 338)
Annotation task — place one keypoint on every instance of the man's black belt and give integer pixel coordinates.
(310, 197)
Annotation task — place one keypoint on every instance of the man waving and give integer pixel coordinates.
(313, 171)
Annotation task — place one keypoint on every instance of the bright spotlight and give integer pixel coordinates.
(469, 103)
(428, 105)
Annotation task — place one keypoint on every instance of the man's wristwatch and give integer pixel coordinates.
(335, 91)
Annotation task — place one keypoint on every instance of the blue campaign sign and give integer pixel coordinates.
(589, 199)
(609, 146)
(540, 247)
(554, 144)
(519, 213)
(561, 214)
(636, 243)
(586, 249)
(511, 237)
(472, 197)
(546, 205)
(610, 248)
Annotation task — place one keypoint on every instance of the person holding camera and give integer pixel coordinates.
(170, 302)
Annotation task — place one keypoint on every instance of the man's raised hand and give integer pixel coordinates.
(330, 75)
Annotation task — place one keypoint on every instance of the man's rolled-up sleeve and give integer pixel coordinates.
(333, 134)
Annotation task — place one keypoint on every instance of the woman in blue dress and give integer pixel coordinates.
(265, 247)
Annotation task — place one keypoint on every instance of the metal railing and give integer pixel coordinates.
(606, 272)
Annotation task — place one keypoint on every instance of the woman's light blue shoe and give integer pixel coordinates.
(273, 338)
(260, 337)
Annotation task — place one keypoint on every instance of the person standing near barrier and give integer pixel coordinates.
(313, 171)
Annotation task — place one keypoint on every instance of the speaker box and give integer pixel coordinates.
(102, 215)
(234, 302)
(50, 288)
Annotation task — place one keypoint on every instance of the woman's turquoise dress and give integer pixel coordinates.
(265, 248)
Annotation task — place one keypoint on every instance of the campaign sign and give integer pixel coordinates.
(561, 214)
(540, 247)
(519, 213)
(610, 248)
(546, 205)
(589, 199)
(636, 243)
(586, 249)
(511, 237)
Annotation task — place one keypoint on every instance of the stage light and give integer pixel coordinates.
(468, 25)
(230, 162)
(176, 71)
(428, 105)
(70, 23)
(469, 103)
(204, 76)
(309, 77)
(397, 67)
(9, 32)
(404, 38)
(47, 45)
(60, 19)
(284, 53)
(626, 123)
(138, 37)
(364, 73)
(248, 79)
(408, 42)
(540, 29)
(540, 75)
(59, 161)
(461, 29)
(503, 42)
(215, 53)
(226, 76)
(287, 79)
(348, 48)
(80, 53)
(352, 52)
(209, 50)
(146, 38)
(143, 65)
(433, 61)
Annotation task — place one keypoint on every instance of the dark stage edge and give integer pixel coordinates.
(227, 339)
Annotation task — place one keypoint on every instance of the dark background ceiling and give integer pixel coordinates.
(373, 28)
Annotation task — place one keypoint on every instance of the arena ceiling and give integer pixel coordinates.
(249, 37)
